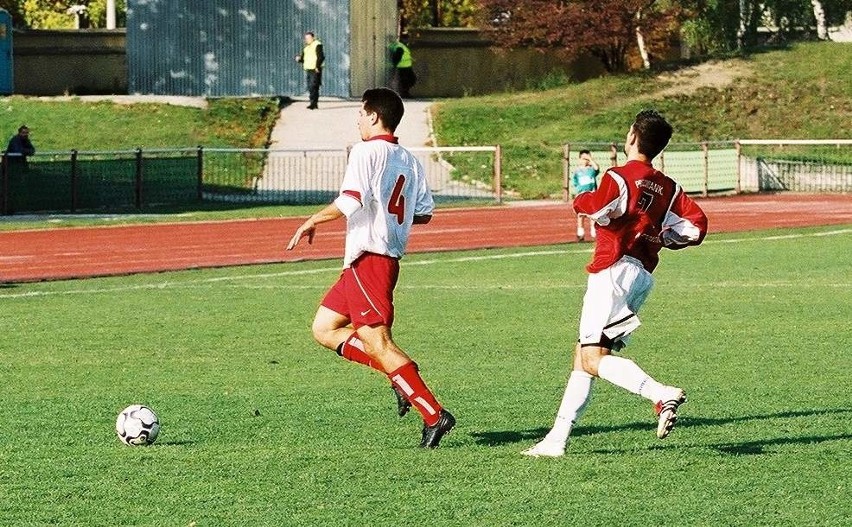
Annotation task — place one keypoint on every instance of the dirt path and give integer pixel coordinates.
(713, 74)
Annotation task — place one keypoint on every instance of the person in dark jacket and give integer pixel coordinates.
(20, 146)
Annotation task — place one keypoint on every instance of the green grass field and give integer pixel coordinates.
(263, 427)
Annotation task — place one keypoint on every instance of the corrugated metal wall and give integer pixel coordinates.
(234, 47)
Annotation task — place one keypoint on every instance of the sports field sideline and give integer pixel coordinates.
(84, 252)
(263, 427)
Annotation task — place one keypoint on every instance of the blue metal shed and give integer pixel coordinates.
(247, 47)
(6, 65)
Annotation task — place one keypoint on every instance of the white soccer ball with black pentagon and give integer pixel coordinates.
(137, 425)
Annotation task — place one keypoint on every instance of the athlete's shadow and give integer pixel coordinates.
(752, 448)
(498, 438)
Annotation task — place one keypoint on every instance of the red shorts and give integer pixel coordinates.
(364, 292)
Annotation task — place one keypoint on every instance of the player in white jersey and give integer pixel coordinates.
(384, 193)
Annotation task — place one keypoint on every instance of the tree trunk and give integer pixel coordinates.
(741, 30)
(819, 14)
(436, 13)
(640, 41)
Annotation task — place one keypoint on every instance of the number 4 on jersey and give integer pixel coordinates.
(396, 205)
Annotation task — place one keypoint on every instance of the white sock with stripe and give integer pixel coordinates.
(628, 375)
(574, 401)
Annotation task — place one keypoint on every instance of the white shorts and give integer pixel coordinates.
(613, 297)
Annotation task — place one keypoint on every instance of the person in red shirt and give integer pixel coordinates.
(639, 211)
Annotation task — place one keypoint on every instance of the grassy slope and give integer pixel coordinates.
(803, 92)
(764, 440)
(106, 126)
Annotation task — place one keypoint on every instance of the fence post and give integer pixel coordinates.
(663, 161)
(566, 171)
(705, 185)
(498, 173)
(4, 181)
(138, 193)
(613, 155)
(73, 181)
(738, 148)
(200, 173)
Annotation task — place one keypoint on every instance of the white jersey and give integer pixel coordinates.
(383, 189)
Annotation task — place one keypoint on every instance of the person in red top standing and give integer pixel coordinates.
(639, 211)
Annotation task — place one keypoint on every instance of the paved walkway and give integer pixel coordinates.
(333, 125)
(309, 174)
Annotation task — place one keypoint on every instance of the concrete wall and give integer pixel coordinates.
(373, 27)
(448, 62)
(81, 62)
(454, 62)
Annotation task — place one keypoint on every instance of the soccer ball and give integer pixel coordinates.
(137, 425)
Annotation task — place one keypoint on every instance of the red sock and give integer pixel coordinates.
(407, 379)
(353, 349)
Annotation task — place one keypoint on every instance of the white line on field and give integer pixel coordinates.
(302, 272)
(545, 287)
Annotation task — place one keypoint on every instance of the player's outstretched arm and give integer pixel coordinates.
(309, 228)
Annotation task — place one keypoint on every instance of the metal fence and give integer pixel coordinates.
(746, 165)
(78, 180)
(700, 168)
(797, 165)
(142, 179)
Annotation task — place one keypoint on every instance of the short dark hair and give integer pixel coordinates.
(652, 131)
(385, 103)
(584, 151)
(23, 127)
(311, 33)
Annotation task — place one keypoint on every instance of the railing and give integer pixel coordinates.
(141, 179)
(799, 165)
(700, 168)
(81, 180)
(746, 165)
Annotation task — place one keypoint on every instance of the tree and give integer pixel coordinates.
(438, 13)
(608, 29)
(53, 14)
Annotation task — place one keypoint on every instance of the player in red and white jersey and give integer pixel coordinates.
(384, 193)
(639, 211)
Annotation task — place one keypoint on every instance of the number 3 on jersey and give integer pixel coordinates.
(396, 205)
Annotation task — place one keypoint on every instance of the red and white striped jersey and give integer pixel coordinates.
(640, 210)
(383, 189)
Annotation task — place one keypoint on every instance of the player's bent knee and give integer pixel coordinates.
(590, 358)
(320, 333)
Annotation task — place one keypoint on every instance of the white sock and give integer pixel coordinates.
(628, 375)
(577, 391)
(592, 229)
(581, 233)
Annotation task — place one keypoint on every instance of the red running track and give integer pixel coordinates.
(63, 253)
